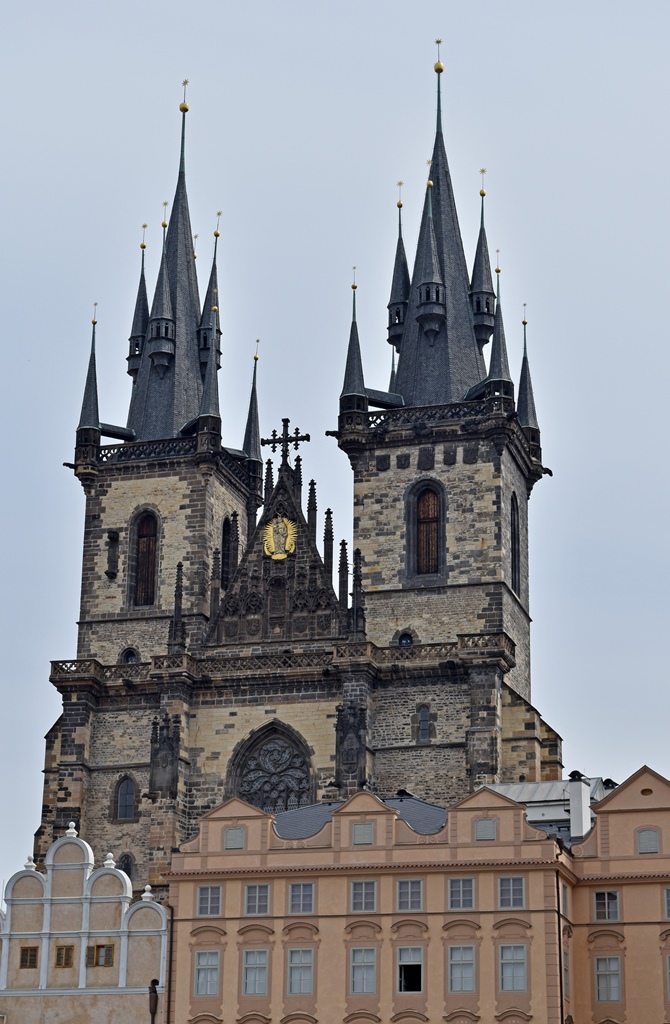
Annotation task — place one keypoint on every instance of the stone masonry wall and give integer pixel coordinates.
(191, 506)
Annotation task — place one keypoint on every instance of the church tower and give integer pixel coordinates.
(222, 651)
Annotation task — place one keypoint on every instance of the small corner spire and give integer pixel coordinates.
(439, 68)
(400, 285)
(140, 323)
(526, 405)
(482, 296)
(209, 405)
(354, 384)
(252, 434)
(499, 367)
(392, 378)
(90, 415)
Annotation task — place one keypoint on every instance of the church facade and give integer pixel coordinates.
(222, 651)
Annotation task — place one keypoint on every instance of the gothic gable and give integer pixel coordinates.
(280, 590)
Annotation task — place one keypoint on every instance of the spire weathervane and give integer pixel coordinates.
(258, 341)
(284, 440)
(400, 185)
(95, 314)
(143, 244)
(183, 106)
(218, 218)
(482, 191)
(497, 261)
(195, 239)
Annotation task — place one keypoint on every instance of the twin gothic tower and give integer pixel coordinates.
(221, 651)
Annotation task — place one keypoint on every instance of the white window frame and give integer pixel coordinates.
(302, 887)
(362, 966)
(360, 893)
(485, 830)
(205, 893)
(252, 892)
(413, 898)
(205, 971)
(234, 838)
(608, 970)
(514, 899)
(513, 955)
(255, 964)
(408, 955)
(647, 833)
(611, 908)
(363, 833)
(300, 979)
(458, 982)
(457, 902)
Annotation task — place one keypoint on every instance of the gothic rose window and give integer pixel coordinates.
(274, 775)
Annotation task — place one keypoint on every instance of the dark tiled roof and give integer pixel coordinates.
(424, 818)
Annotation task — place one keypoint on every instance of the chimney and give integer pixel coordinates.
(579, 792)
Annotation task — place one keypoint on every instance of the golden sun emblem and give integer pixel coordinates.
(279, 537)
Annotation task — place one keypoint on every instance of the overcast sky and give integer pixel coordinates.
(303, 117)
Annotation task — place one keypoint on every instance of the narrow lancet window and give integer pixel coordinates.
(225, 553)
(516, 548)
(427, 514)
(424, 724)
(125, 800)
(145, 571)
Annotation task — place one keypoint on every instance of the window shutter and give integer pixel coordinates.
(90, 956)
(109, 956)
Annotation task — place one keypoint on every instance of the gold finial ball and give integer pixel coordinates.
(142, 245)
(215, 309)
(255, 359)
(524, 322)
(217, 234)
(354, 286)
(482, 192)
(399, 204)
(429, 184)
(497, 270)
(439, 67)
(163, 223)
(183, 107)
(94, 321)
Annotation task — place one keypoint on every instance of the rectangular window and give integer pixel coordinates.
(255, 967)
(363, 896)
(410, 894)
(100, 956)
(301, 897)
(257, 899)
(607, 905)
(363, 833)
(485, 829)
(564, 900)
(512, 968)
(300, 971)
(667, 902)
(566, 974)
(233, 839)
(28, 957)
(363, 970)
(461, 893)
(647, 840)
(461, 968)
(511, 893)
(410, 969)
(64, 956)
(209, 900)
(207, 973)
(608, 979)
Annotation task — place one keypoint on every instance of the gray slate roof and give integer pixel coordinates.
(424, 818)
(526, 403)
(90, 415)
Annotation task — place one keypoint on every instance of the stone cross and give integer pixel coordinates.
(285, 440)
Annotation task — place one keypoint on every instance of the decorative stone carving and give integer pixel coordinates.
(274, 775)
(164, 756)
(350, 747)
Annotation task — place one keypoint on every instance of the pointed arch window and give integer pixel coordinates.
(427, 521)
(516, 546)
(145, 563)
(424, 724)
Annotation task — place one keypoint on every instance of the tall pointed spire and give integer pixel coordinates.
(208, 339)
(138, 330)
(499, 368)
(90, 416)
(482, 295)
(400, 285)
(440, 367)
(393, 374)
(209, 406)
(168, 387)
(252, 434)
(353, 389)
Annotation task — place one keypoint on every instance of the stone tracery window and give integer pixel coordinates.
(273, 772)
